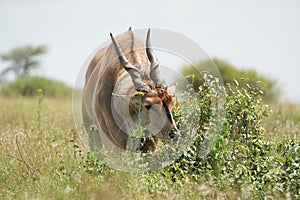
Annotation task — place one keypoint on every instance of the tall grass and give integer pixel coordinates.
(43, 144)
(41, 157)
(284, 120)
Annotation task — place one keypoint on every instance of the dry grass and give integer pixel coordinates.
(284, 120)
(43, 158)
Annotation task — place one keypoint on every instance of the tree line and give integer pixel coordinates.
(21, 61)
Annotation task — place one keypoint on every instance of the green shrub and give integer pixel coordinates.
(238, 164)
(28, 86)
(240, 158)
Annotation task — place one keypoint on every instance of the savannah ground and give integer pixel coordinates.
(41, 157)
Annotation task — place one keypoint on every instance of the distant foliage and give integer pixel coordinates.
(28, 86)
(22, 60)
(2, 80)
(229, 73)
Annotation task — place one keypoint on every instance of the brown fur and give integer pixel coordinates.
(103, 76)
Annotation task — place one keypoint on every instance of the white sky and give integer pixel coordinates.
(263, 35)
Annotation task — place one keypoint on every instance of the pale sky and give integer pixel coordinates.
(263, 35)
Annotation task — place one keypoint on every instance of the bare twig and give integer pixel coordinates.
(21, 159)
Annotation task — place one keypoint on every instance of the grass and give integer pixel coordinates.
(50, 163)
(41, 157)
(284, 120)
(33, 156)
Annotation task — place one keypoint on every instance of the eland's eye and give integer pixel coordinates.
(147, 106)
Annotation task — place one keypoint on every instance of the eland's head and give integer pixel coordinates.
(150, 100)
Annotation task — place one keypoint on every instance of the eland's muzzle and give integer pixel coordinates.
(174, 135)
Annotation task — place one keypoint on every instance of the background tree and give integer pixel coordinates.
(2, 80)
(22, 60)
(229, 73)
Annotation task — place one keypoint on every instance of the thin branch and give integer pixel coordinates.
(14, 157)
(22, 158)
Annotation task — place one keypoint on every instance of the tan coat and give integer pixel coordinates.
(106, 76)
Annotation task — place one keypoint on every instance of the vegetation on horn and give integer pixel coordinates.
(42, 157)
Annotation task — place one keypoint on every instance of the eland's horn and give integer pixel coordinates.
(154, 67)
(134, 72)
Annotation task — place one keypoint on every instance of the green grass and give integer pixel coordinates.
(41, 157)
(50, 163)
(33, 156)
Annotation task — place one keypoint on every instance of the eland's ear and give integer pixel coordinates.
(172, 88)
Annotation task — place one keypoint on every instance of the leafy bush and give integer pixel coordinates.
(27, 86)
(241, 158)
(241, 163)
(229, 73)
